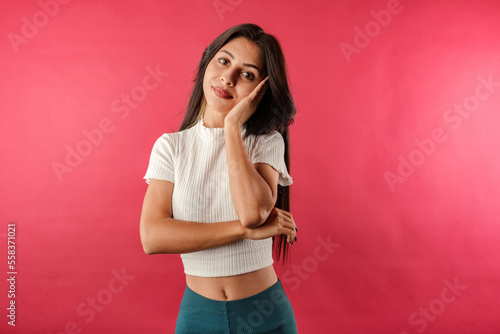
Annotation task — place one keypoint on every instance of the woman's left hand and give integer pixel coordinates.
(247, 106)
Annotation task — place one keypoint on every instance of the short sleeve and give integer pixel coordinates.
(270, 149)
(161, 161)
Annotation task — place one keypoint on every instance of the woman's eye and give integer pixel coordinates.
(223, 61)
(248, 75)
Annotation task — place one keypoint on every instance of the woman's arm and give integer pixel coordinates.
(161, 234)
(253, 188)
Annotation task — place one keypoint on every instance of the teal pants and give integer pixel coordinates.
(269, 311)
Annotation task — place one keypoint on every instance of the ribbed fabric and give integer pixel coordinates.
(268, 312)
(195, 161)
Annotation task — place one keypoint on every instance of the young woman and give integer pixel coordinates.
(218, 189)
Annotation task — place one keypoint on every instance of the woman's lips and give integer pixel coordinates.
(222, 93)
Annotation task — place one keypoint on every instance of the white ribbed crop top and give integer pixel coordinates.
(195, 161)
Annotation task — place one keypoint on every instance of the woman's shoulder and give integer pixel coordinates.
(265, 139)
(170, 138)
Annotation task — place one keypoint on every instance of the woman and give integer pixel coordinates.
(213, 187)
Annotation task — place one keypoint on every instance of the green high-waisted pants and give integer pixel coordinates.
(269, 311)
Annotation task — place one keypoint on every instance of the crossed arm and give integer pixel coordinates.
(162, 234)
(253, 192)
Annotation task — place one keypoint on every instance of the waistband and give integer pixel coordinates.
(274, 294)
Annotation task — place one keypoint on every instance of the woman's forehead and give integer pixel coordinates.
(244, 50)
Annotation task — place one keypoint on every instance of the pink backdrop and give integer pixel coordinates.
(394, 157)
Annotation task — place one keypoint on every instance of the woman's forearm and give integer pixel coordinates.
(172, 236)
(252, 196)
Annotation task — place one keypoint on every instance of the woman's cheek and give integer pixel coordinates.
(248, 90)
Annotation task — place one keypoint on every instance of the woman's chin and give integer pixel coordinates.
(218, 109)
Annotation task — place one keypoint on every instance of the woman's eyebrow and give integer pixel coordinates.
(249, 65)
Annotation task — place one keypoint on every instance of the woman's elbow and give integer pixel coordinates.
(153, 244)
(147, 239)
(254, 213)
(147, 244)
(251, 223)
(254, 218)
(148, 250)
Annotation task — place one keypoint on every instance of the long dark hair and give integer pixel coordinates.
(275, 111)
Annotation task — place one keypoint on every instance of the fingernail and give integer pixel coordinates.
(296, 229)
(295, 238)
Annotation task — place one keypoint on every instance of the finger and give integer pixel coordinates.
(288, 229)
(289, 236)
(284, 212)
(285, 227)
(288, 216)
(285, 217)
(288, 224)
(259, 91)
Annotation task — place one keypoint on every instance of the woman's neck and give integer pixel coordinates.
(213, 119)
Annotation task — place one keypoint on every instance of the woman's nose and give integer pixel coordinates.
(228, 78)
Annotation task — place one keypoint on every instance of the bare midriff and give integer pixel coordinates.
(233, 287)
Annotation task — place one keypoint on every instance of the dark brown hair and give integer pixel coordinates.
(275, 112)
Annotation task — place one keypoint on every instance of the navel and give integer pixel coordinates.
(225, 295)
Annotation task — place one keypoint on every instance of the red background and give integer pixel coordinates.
(397, 243)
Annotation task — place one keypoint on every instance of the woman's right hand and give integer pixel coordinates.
(279, 222)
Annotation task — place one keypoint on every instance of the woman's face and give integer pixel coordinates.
(232, 74)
